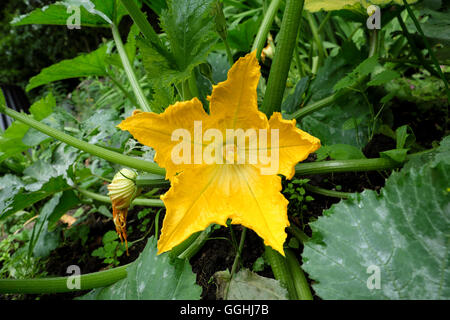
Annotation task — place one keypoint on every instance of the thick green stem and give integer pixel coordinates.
(374, 43)
(301, 285)
(196, 245)
(281, 271)
(108, 155)
(297, 233)
(59, 284)
(264, 28)
(142, 100)
(283, 56)
(328, 193)
(346, 166)
(193, 85)
(152, 180)
(325, 102)
(136, 202)
(317, 39)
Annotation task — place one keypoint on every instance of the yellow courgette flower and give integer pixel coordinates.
(215, 178)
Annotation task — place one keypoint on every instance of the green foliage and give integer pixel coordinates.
(12, 140)
(91, 64)
(111, 250)
(402, 231)
(15, 261)
(339, 152)
(241, 36)
(25, 50)
(345, 120)
(94, 13)
(190, 34)
(152, 277)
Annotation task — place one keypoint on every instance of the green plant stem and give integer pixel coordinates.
(142, 100)
(237, 258)
(326, 192)
(108, 155)
(228, 51)
(187, 95)
(301, 285)
(193, 88)
(182, 247)
(346, 166)
(317, 39)
(324, 22)
(59, 284)
(283, 56)
(264, 28)
(281, 271)
(374, 43)
(297, 233)
(430, 50)
(151, 180)
(325, 102)
(136, 201)
(196, 245)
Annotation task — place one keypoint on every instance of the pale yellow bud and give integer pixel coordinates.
(123, 189)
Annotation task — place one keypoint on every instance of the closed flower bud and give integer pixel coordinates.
(122, 191)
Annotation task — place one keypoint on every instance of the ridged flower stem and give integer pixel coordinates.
(283, 56)
(261, 36)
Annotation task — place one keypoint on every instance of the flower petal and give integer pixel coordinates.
(212, 194)
(155, 130)
(294, 145)
(234, 102)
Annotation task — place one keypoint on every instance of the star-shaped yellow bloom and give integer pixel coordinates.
(233, 186)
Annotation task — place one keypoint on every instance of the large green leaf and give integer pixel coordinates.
(327, 5)
(189, 28)
(93, 13)
(246, 285)
(402, 235)
(90, 64)
(152, 277)
(190, 33)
